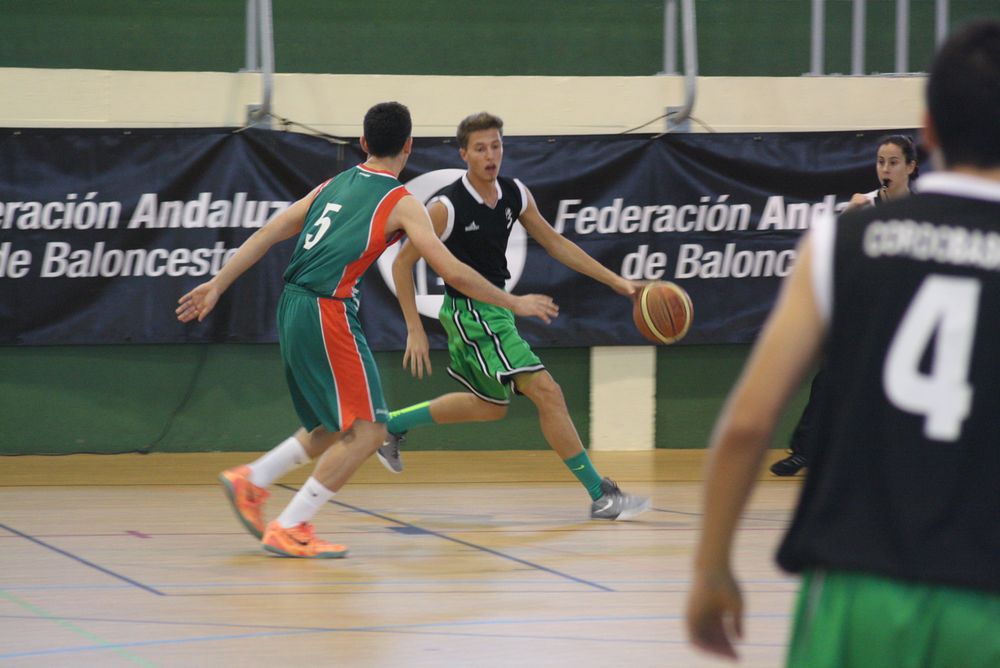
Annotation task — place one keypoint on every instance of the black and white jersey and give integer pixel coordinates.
(477, 234)
(905, 478)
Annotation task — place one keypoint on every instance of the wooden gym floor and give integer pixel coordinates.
(469, 559)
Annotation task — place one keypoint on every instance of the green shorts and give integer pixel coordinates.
(329, 368)
(486, 350)
(843, 620)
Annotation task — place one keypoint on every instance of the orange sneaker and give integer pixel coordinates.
(246, 498)
(299, 541)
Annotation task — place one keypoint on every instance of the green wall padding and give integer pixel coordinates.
(193, 398)
(170, 398)
(692, 383)
(457, 37)
(232, 397)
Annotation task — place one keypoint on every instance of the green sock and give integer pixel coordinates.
(580, 466)
(402, 420)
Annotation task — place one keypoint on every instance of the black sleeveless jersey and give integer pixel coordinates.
(476, 233)
(905, 479)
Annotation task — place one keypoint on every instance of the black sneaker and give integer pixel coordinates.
(790, 465)
(388, 453)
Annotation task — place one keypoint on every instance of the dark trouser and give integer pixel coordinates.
(805, 431)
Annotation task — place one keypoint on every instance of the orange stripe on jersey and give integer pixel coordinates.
(376, 242)
(316, 191)
(349, 377)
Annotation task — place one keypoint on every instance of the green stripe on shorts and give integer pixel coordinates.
(485, 347)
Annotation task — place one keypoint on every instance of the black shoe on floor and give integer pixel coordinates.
(790, 465)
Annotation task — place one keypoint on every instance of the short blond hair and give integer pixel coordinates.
(476, 122)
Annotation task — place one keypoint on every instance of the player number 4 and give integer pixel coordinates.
(944, 311)
(323, 224)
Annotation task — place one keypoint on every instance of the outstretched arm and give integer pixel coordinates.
(569, 254)
(858, 201)
(411, 217)
(199, 302)
(783, 354)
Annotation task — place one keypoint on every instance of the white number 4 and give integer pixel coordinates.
(945, 306)
(323, 224)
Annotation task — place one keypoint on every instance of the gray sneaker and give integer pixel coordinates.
(388, 454)
(615, 504)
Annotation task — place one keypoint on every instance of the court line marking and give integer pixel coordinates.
(481, 548)
(689, 513)
(69, 625)
(413, 629)
(81, 560)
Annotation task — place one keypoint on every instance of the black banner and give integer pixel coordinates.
(101, 231)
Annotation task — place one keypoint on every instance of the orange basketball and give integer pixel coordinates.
(663, 312)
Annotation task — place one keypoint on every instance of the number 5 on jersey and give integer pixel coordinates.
(323, 224)
(945, 307)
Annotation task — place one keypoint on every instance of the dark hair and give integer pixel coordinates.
(908, 148)
(963, 95)
(476, 122)
(387, 127)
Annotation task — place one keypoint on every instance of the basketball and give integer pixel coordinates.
(663, 312)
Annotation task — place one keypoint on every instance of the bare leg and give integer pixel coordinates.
(344, 452)
(553, 415)
(464, 407)
(315, 447)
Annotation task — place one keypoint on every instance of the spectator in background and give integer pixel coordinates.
(897, 167)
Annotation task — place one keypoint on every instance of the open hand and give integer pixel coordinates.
(540, 306)
(198, 303)
(628, 288)
(417, 355)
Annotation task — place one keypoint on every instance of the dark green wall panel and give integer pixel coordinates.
(456, 37)
(692, 383)
(191, 398)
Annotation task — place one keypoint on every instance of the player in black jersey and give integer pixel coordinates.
(474, 217)
(896, 166)
(897, 530)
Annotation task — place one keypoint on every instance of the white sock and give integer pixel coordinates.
(305, 503)
(276, 462)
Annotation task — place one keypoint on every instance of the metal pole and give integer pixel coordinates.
(677, 118)
(251, 37)
(940, 20)
(817, 42)
(858, 38)
(902, 36)
(267, 56)
(670, 37)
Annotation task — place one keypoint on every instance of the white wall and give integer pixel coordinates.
(528, 105)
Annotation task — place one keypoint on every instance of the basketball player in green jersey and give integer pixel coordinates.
(897, 529)
(342, 226)
(474, 216)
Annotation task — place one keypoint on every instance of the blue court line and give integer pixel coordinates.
(459, 541)
(656, 586)
(696, 514)
(82, 560)
(391, 627)
(416, 629)
(66, 623)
